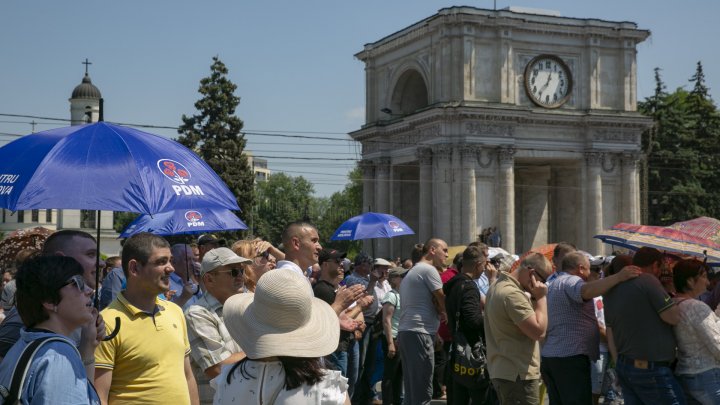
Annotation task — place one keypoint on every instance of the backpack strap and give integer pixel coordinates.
(21, 368)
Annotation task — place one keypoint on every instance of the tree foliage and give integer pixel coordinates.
(280, 200)
(682, 152)
(283, 199)
(121, 220)
(214, 133)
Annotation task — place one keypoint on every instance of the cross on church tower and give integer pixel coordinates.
(86, 63)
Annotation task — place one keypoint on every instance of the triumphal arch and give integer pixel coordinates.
(518, 119)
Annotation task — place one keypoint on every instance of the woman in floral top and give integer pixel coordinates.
(698, 334)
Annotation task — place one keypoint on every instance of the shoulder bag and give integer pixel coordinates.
(468, 361)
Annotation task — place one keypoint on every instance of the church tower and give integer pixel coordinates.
(85, 101)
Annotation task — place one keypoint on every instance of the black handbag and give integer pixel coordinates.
(468, 362)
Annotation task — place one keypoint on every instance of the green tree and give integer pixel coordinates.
(280, 200)
(214, 133)
(121, 220)
(681, 150)
(704, 123)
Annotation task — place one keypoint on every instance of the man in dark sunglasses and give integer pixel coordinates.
(221, 272)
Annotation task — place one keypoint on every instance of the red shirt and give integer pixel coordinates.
(443, 330)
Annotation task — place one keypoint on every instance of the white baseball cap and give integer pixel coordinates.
(219, 257)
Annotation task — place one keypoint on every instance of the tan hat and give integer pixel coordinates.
(282, 318)
(397, 272)
(381, 262)
(219, 257)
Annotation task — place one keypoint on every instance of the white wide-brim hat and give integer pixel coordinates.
(282, 318)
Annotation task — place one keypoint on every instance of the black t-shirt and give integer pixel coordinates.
(326, 292)
(632, 310)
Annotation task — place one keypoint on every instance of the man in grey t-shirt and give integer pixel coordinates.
(639, 316)
(422, 307)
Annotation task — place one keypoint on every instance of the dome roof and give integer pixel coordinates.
(86, 89)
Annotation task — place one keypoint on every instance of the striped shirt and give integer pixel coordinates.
(210, 341)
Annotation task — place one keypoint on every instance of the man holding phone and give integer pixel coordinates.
(512, 319)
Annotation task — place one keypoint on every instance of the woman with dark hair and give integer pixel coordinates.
(53, 301)
(285, 332)
(698, 334)
(617, 264)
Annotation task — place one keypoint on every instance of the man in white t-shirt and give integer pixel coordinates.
(422, 307)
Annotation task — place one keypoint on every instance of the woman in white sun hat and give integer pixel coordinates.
(284, 332)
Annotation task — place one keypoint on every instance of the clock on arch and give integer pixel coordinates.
(548, 81)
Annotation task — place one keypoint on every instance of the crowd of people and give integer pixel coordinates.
(252, 323)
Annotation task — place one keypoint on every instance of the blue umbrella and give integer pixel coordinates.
(371, 225)
(199, 220)
(102, 166)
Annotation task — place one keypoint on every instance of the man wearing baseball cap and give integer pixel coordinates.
(208, 242)
(330, 261)
(221, 272)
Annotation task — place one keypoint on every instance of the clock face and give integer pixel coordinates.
(548, 81)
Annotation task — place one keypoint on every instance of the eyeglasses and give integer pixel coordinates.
(235, 271)
(537, 274)
(78, 281)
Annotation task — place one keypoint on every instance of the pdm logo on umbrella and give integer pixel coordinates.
(174, 171)
(395, 227)
(194, 218)
(177, 173)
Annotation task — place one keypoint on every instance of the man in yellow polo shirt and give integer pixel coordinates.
(147, 362)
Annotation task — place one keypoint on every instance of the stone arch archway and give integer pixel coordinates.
(410, 93)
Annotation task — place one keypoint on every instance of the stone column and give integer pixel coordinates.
(487, 190)
(382, 199)
(594, 200)
(630, 189)
(456, 196)
(382, 180)
(425, 215)
(468, 195)
(442, 178)
(533, 211)
(368, 173)
(507, 197)
(368, 176)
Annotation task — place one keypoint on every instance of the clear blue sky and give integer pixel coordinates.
(292, 61)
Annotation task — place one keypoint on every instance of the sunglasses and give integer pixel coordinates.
(235, 271)
(537, 274)
(78, 281)
(262, 256)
